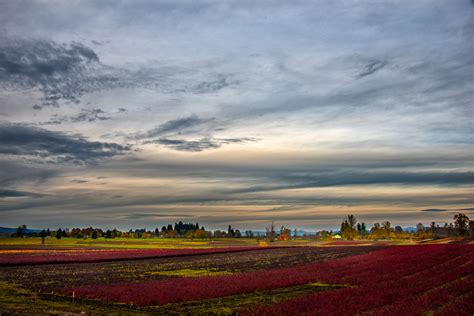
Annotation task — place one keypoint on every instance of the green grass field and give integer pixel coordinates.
(155, 243)
(125, 243)
(142, 243)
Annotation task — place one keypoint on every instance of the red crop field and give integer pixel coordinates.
(423, 279)
(378, 281)
(31, 257)
(348, 243)
(396, 281)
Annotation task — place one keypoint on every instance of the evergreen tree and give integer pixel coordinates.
(59, 234)
(108, 234)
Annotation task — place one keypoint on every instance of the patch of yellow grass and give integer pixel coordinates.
(195, 243)
(191, 272)
(324, 284)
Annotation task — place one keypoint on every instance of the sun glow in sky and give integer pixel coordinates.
(142, 113)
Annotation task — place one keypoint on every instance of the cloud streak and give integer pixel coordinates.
(85, 115)
(43, 145)
(15, 194)
(198, 145)
(180, 126)
(372, 67)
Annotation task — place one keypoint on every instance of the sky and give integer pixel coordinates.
(140, 113)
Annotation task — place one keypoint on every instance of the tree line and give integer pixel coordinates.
(350, 229)
(461, 226)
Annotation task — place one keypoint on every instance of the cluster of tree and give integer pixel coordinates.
(230, 233)
(351, 229)
(284, 233)
(182, 228)
(88, 232)
(386, 231)
(462, 226)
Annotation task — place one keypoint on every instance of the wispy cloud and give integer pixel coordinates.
(86, 115)
(198, 145)
(16, 194)
(435, 210)
(220, 81)
(372, 67)
(189, 134)
(186, 125)
(79, 181)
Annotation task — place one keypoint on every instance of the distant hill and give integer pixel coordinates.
(300, 233)
(7, 231)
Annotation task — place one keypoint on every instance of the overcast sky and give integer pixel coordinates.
(140, 113)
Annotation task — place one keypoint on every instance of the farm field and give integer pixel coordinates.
(288, 278)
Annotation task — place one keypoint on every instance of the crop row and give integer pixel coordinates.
(377, 278)
(42, 257)
(398, 285)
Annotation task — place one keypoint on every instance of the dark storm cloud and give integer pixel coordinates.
(63, 73)
(50, 146)
(198, 145)
(54, 69)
